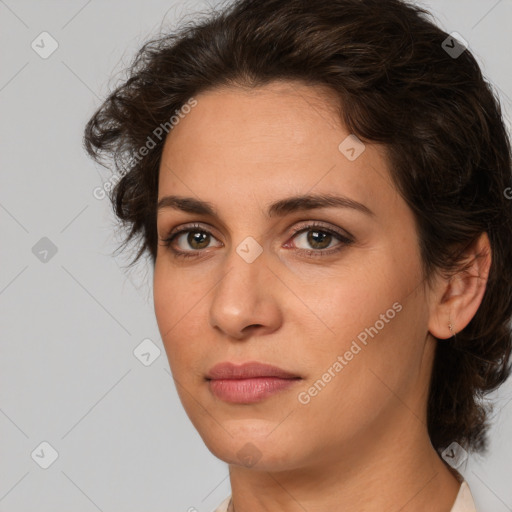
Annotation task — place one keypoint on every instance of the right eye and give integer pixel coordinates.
(197, 238)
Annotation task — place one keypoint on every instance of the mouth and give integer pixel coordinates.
(248, 383)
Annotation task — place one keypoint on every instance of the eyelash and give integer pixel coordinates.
(301, 229)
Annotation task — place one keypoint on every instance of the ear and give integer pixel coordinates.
(457, 299)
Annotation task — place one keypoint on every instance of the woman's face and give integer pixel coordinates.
(331, 293)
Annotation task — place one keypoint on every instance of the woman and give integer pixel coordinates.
(321, 187)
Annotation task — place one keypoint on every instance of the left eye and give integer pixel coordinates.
(316, 238)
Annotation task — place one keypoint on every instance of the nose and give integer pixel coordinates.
(245, 300)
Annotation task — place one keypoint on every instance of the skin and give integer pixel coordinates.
(362, 441)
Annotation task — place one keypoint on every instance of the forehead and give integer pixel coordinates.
(284, 117)
(278, 139)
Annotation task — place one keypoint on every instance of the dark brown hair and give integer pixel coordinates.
(399, 85)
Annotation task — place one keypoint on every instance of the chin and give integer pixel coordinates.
(252, 448)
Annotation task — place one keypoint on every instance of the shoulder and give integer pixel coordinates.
(223, 507)
(464, 501)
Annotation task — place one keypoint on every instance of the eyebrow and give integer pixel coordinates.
(278, 209)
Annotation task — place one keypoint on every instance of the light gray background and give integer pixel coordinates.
(68, 375)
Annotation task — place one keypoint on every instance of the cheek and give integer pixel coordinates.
(380, 339)
(164, 303)
(174, 308)
(181, 310)
(350, 382)
(372, 318)
(354, 299)
(171, 296)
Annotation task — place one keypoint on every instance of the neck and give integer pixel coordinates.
(388, 469)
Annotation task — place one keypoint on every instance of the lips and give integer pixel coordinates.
(248, 383)
(247, 370)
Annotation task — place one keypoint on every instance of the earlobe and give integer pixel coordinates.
(457, 299)
(451, 329)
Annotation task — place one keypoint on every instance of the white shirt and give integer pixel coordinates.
(463, 502)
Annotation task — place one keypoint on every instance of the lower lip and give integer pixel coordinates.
(248, 391)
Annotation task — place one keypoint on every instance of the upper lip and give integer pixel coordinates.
(247, 370)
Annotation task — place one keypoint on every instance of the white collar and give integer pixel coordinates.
(464, 501)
